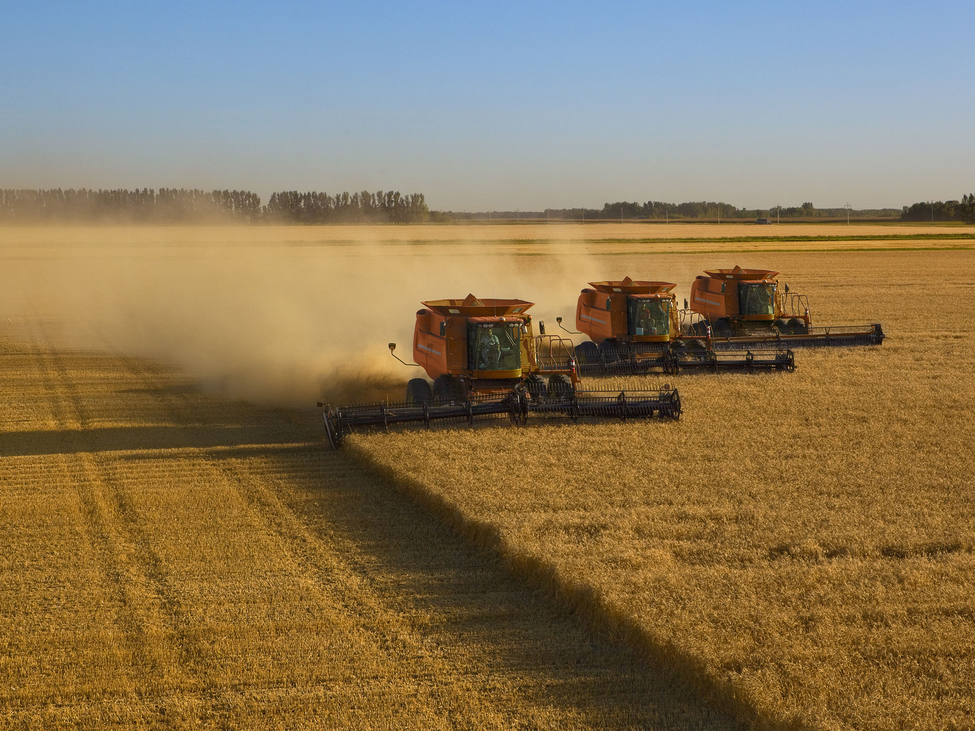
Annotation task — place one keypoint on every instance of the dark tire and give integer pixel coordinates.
(797, 326)
(418, 392)
(782, 326)
(535, 386)
(609, 351)
(697, 348)
(699, 328)
(447, 389)
(558, 387)
(587, 352)
(678, 349)
(722, 327)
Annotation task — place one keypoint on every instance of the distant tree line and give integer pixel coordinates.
(364, 207)
(712, 210)
(167, 205)
(963, 210)
(660, 211)
(170, 205)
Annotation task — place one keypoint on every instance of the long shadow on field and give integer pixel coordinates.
(128, 438)
(485, 622)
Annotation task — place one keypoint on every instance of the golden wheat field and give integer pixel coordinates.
(179, 548)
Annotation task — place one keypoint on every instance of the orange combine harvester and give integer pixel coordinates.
(742, 306)
(485, 361)
(635, 327)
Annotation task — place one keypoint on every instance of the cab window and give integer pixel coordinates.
(649, 317)
(495, 346)
(756, 299)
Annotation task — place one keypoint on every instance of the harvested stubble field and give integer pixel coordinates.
(800, 543)
(798, 548)
(172, 560)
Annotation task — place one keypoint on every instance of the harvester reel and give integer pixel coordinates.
(517, 406)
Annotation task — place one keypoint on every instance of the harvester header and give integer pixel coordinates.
(744, 306)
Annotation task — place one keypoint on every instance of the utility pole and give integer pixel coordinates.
(847, 207)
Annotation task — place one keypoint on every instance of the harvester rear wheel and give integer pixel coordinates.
(418, 392)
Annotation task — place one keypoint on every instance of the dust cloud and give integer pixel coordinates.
(270, 322)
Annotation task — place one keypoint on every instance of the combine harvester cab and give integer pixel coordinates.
(485, 362)
(635, 327)
(745, 306)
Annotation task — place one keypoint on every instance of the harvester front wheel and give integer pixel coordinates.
(558, 387)
(587, 352)
(418, 392)
(797, 326)
(722, 327)
(535, 386)
(609, 351)
(447, 389)
(697, 349)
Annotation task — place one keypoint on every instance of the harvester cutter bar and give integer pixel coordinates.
(517, 406)
(834, 336)
(761, 358)
(340, 420)
(610, 404)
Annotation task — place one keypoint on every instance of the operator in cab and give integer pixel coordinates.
(490, 351)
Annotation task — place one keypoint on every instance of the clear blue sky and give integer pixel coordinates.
(497, 105)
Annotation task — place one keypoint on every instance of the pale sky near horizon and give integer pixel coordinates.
(497, 106)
